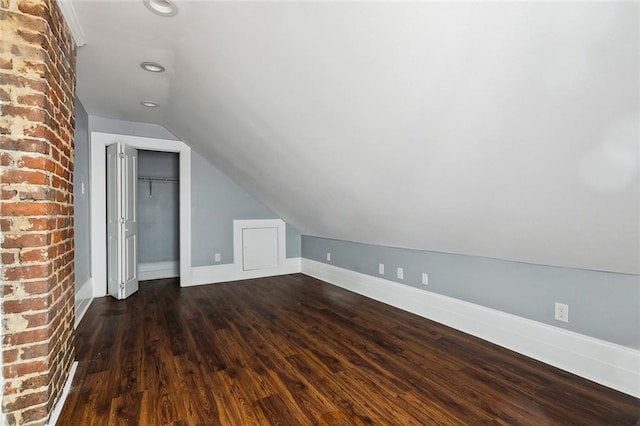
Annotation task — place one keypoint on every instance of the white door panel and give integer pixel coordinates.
(130, 215)
(122, 221)
(113, 221)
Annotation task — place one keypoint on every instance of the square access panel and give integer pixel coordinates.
(259, 248)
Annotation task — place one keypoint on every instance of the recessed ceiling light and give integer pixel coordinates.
(152, 66)
(149, 104)
(161, 7)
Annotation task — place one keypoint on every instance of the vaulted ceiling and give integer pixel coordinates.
(507, 130)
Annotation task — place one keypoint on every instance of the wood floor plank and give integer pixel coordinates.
(292, 350)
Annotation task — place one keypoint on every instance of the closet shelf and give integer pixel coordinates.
(160, 179)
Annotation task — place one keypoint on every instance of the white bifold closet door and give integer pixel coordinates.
(122, 221)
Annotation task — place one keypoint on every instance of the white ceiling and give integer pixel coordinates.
(507, 130)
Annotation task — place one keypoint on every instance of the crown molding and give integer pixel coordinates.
(70, 16)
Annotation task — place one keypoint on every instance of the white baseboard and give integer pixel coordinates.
(158, 270)
(611, 365)
(57, 409)
(233, 272)
(83, 298)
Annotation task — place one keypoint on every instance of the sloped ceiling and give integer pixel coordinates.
(507, 130)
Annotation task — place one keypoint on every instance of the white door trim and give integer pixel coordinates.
(98, 198)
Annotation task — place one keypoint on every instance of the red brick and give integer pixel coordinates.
(36, 287)
(35, 382)
(5, 159)
(25, 240)
(36, 320)
(33, 177)
(25, 305)
(36, 9)
(37, 194)
(5, 225)
(39, 224)
(6, 63)
(24, 145)
(38, 350)
(8, 258)
(9, 356)
(37, 255)
(34, 414)
(19, 81)
(38, 163)
(16, 273)
(31, 114)
(26, 209)
(28, 400)
(7, 290)
(9, 389)
(4, 95)
(31, 67)
(25, 337)
(31, 37)
(33, 100)
(8, 194)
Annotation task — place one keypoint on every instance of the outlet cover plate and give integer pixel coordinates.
(562, 312)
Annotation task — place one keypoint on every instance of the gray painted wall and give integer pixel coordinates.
(603, 305)
(81, 200)
(216, 201)
(158, 207)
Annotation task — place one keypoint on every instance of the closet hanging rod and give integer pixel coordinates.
(158, 179)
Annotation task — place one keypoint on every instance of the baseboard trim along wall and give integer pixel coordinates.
(57, 409)
(233, 272)
(158, 270)
(83, 299)
(609, 364)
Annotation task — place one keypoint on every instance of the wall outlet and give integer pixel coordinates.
(400, 273)
(381, 268)
(562, 312)
(328, 257)
(217, 257)
(425, 278)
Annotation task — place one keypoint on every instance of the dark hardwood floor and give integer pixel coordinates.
(292, 350)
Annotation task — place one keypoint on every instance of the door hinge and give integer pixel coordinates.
(121, 155)
(122, 220)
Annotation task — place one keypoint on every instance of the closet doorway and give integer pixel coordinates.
(158, 215)
(99, 143)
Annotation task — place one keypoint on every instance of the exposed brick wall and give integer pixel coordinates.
(37, 87)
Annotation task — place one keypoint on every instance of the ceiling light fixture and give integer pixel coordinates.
(161, 7)
(149, 104)
(152, 67)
